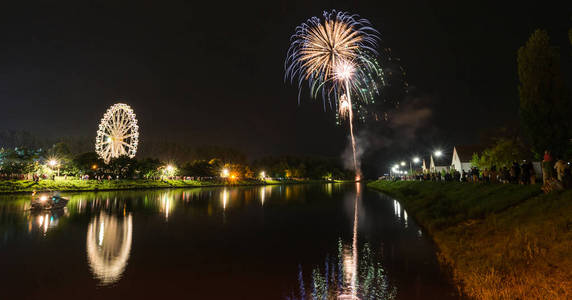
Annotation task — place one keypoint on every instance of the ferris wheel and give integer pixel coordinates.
(118, 133)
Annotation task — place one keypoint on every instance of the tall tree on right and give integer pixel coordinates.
(545, 109)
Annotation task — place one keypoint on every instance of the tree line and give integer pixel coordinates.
(25, 162)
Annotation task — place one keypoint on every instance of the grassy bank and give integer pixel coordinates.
(68, 185)
(501, 241)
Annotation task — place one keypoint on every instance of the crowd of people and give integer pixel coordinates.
(553, 172)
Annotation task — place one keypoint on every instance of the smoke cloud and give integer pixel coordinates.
(404, 126)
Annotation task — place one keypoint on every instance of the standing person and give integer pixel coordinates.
(546, 167)
(560, 167)
(486, 175)
(516, 172)
(513, 173)
(532, 174)
(525, 178)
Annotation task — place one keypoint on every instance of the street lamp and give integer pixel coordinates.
(53, 163)
(438, 153)
(224, 173)
(403, 164)
(415, 161)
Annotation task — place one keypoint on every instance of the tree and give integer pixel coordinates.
(87, 163)
(122, 166)
(20, 161)
(544, 104)
(502, 154)
(149, 168)
(198, 168)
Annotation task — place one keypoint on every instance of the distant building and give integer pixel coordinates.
(426, 164)
(462, 156)
(439, 163)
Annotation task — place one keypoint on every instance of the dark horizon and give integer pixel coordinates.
(206, 76)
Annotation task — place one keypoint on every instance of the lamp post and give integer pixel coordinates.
(415, 161)
(53, 163)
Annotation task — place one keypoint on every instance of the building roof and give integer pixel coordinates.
(442, 161)
(465, 152)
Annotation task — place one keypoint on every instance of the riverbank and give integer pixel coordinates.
(76, 185)
(501, 241)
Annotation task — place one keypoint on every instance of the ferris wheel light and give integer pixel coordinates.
(118, 133)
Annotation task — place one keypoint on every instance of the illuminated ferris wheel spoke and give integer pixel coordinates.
(118, 133)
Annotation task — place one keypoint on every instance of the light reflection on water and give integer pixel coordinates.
(108, 246)
(354, 274)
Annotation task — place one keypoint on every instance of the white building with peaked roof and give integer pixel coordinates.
(462, 156)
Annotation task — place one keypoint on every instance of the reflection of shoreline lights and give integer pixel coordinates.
(397, 209)
(262, 194)
(224, 198)
(44, 221)
(166, 204)
(108, 246)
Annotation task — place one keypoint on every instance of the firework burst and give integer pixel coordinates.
(320, 46)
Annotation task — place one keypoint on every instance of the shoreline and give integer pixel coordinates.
(498, 241)
(75, 185)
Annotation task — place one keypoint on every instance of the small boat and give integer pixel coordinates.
(47, 202)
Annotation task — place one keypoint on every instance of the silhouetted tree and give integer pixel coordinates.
(544, 102)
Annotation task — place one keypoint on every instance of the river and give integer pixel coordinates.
(271, 242)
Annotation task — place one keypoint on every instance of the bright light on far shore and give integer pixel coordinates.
(416, 159)
(438, 153)
(262, 174)
(224, 173)
(403, 163)
(170, 168)
(53, 162)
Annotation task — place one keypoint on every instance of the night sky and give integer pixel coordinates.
(212, 73)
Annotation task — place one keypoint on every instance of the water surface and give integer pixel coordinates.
(272, 242)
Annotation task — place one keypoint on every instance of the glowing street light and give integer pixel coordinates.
(169, 170)
(263, 175)
(54, 163)
(225, 173)
(403, 164)
(416, 159)
(438, 153)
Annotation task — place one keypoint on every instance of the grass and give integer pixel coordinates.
(500, 241)
(23, 186)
